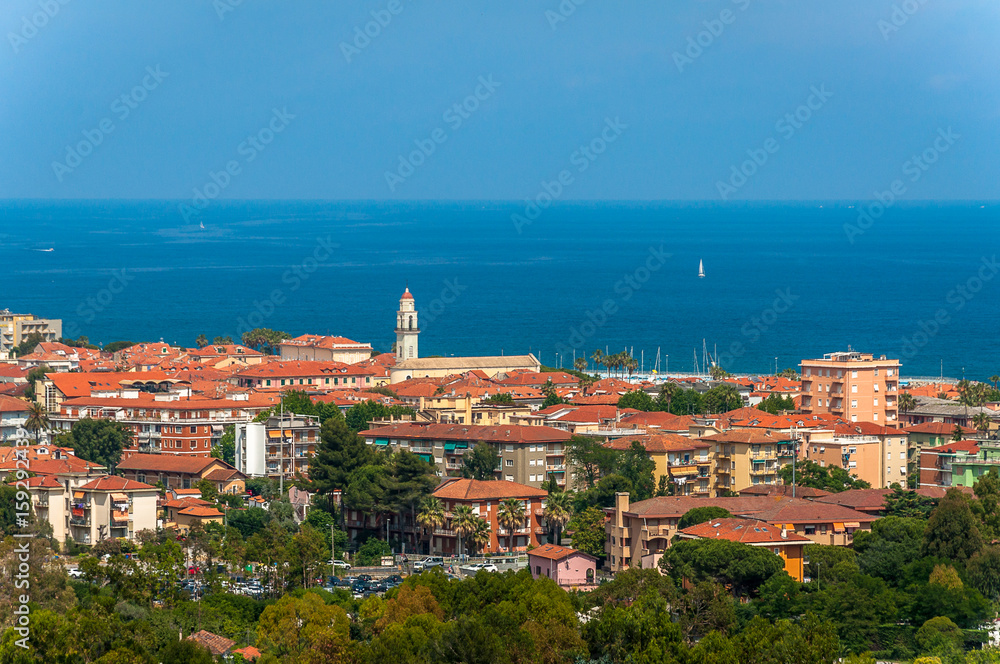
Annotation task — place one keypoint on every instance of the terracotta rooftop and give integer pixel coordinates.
(751, 436)
(556, 552)
(40, 482)
(12, 404)
(60, 466)
(658, 443)
(200, 512)
(219, 645)
(746, 531)
(466, 489)
(169, 463)
(783, 490)
(115, 483)
(939, 428)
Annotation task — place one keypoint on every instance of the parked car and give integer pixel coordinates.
(76, 573)
(427, 563)
(340, 564)
(477, 567)
(364, 577)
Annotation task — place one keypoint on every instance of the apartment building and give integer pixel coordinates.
(685, 462)
(289, 442)
(528, 454)
(748, 457)
(320, 348)
(162, 414)
(176, 472)
(947, 411)
(858, 387)
(638, 534)
(928, 435)
(484, 498)
(15, 328)
(876, 454)
(305, 375)
(13, 416)
(102, 508)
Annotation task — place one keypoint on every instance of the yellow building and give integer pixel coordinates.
(685, 462)
(745, 458)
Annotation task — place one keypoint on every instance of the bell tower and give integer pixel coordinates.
(406, 328)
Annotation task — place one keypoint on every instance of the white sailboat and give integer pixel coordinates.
(701, 269)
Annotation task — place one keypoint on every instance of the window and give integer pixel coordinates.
(888, 372)
(854, 374)
(888, 455)
(876, 387)
(852, 450)
(194, 429)
(874, 416)
(854, 418)
(875, 401)
(854, 388)
(510, 447)
(876, 371)
(510, 478)
(777, 550)
(902, 455)
(840, 373)
(509, 463)
(810, 530)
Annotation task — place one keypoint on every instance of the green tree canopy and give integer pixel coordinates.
(481, 462)
(340, 452)
(100, 441)
(588, 531)
(591, 459)
(635, 465)
(638, 400)
(829, 478)
(702, 514)
(743, 568)
(952, 531)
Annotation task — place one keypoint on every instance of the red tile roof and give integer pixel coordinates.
(219, 645)
(466, 489)
(659, 443)
(12, 405)
(169, 463)
(62, 466)
(746, 531)
(200, 512)
(115, 483)
(556, 552)
(40, 482)
(783, 490)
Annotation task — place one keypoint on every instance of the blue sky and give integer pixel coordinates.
(554, 85)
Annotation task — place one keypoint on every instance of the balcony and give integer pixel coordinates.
(453, 466)
(558, 467)
(421, 450)
(81, 521)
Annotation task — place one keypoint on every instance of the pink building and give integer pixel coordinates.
(567, 567)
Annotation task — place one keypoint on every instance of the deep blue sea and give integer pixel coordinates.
(782, 280)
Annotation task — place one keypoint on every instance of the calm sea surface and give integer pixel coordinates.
(781, 281)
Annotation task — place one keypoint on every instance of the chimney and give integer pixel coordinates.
(784, 533)
(621, 505)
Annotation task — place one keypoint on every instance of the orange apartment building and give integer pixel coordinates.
(305, 375)
(164, 423)
(484, 499)
(875, 454)
(854, 386)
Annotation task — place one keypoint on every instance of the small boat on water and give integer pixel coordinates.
(701, 269)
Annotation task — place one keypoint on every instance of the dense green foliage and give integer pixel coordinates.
(701, 515)
(100, 441)
(829, 478)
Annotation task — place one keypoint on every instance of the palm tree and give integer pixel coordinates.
(906, 403)
(995, 379)
(982, 422)
(201, 341)
(431, 516)
(598, 357)
(586, 383)
(558, 512)
(480, 535)
(667, 393)
(463, 522)
(580, 363)
(511, 515)
(37, 420)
